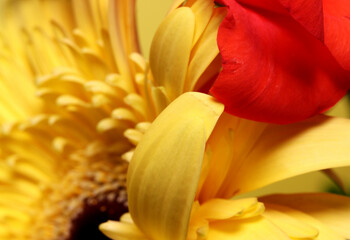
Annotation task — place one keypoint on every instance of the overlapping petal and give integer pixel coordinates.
(331, 210)
(170, 166)
(168, 63)
(164, 173)
(266, 153)
(276, 67)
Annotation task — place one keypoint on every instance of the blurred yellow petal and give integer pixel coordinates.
(330, 209)
(341, 109)
(284, 151)
(176, 4)
(216, 209)
(160, 201)
(257, 228)
(324, 232)
(171, 49)
(123, 34)
(291, 226)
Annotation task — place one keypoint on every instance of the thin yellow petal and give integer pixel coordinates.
(164, 172)
(332, 210)
(202, 10)
(220, 155)
(122, 28)
(171, 49)
(205, 51)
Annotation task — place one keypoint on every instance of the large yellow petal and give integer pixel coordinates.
(164, 172)
(257, 228)
(332, 210)
(324, 232)
(294, 227)
(171, 49)
(284, 151)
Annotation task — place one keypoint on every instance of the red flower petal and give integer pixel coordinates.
(337, 29)
(274, 70)
(309, 13)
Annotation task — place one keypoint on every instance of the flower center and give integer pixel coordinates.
(96, 211)
(88, 195)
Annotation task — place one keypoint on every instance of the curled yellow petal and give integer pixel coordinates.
(164, 172)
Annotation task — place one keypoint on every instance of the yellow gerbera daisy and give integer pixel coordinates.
(77, 97)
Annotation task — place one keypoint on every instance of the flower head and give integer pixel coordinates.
(78, 92)
(73, 107)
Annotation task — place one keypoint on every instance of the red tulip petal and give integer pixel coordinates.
(273, 69)
(337, 30)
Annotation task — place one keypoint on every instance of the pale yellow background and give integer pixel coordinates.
(150, 13)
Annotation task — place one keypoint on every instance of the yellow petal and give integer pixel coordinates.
(205, 51)
(332, 210)
(121, 231)
(202, 10)
(325, 233)
(122, 28)
(176, 4)
(216, 209)
(292, 226)
(164, 172)
(171, 49)
(232, 140)
(256, 228)
(284, 151)
(220, 151)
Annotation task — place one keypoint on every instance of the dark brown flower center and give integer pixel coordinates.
(107, 206)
